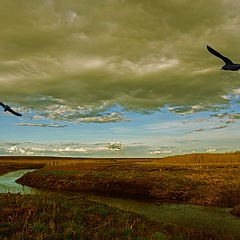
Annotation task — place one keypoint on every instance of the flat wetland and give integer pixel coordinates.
(196, 179)
(202, 179)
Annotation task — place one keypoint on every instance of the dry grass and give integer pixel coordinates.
(187, 159)
(36, 217)
(6, 167)
(212, 185)
(201, 158)
(204, 179)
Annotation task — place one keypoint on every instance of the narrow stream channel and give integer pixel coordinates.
(210, 219)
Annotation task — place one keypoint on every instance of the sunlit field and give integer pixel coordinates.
(36, 217)
(202, 184)
(198, 179)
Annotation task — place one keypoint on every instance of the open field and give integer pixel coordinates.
(36, 217)
(179, 179)
(196, 158)
(203, 179)
(215, 184)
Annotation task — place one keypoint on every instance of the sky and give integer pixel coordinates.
(118, 78)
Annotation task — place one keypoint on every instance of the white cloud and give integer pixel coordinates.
(187, 109)
(160, 152)
(210, 150)
(37, 149)
(112, 117)
(115, 146)
(236, 92)
(226, 97)
(18, 150)
(87, 113)
(65, 148)
(69, 149)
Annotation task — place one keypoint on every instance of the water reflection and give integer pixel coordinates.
(210, 219)
(213, 220)
(8, 184)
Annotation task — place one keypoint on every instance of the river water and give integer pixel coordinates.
(210, 219)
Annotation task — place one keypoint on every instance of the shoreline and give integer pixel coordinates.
(52, 173)
(8, 167)
(203, 185)
(89, 219)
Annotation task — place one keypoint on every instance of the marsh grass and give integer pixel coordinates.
(210, 185)
(58, 173)
(6, 167)
(51, 217)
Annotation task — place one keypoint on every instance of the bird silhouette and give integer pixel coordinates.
(229, 65)
(7, 108)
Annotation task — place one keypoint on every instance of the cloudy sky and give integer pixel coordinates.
(118, 78)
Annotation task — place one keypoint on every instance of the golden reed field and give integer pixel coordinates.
(198, 179)
(202, 179)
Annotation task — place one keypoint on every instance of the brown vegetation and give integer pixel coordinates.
(235, 210)
(6, 167)
(36, 217)
(204, 179)
(212, 185)
(197, 158)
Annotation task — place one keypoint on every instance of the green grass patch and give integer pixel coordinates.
(58, 173)
(51, 217)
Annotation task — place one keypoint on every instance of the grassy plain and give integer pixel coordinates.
(37, 217)
(202, 179)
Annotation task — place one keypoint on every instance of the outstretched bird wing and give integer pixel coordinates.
(217, 54)
(3, 105)
(15, 113)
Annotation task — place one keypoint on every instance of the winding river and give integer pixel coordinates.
(210, 219)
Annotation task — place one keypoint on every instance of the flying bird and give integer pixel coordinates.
(229, 65)
(7, 108)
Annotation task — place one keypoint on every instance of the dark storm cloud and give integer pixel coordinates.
(141, 55)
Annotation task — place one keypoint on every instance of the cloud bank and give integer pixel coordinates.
(64, 149)
(140, 55)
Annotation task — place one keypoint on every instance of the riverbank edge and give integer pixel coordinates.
(189, 233)
(22, 215)
(42, 179)
(9, 167)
